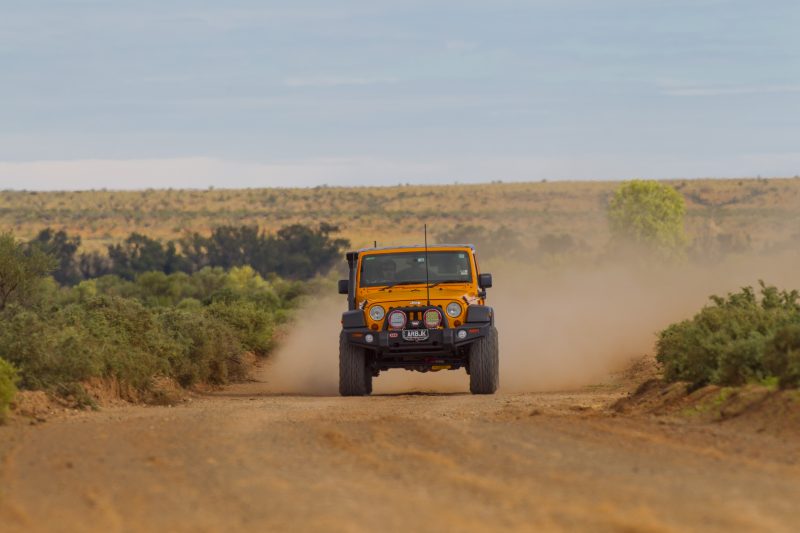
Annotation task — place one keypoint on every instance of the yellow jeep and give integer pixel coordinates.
(417, 308)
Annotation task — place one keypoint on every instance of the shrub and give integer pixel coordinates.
(782, 355)
(194, 328)
(738, 339)
(47, 354)
(253, 324)
(207, 348)
(103, 337)
(119, 338)
(8, 386)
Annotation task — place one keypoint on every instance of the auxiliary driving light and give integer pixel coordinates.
(432, 318)
(462, 334)
(397, 319)
(368, 337)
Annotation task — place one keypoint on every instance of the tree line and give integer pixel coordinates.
(295, 252)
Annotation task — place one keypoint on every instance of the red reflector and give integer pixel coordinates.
(357, 335)
(474, 330)
(375, 327)
(457, 323)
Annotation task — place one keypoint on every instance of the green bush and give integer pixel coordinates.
(648, 215)
(8, 386)
(254, 325)
(193, 328)
(47, 353)
(103, 337)
(738, 339)
(208, 350)
(782, 356)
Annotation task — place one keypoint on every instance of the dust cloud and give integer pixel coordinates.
(558, 329)
(307, 360)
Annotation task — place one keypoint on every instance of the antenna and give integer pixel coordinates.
(427, 275)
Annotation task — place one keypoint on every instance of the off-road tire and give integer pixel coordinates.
(355, 379)
(368, 381)
(484, 363)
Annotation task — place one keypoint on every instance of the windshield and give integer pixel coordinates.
(409, 267)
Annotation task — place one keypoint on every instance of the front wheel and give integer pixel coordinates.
(484, 363)
(355, 379)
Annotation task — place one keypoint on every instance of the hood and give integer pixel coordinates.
(416, 295)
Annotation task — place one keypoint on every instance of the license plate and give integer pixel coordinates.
(415, 334)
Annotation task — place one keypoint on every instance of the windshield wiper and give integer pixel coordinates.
(401, 283)
(432, 285)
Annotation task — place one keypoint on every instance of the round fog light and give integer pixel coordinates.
(462, 334)
(369, 338)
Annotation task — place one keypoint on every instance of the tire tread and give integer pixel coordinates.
(484, 362)
(354, 377)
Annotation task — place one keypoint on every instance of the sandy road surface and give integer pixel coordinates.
(244, 460)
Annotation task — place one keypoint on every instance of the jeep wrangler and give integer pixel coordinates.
(417, 308)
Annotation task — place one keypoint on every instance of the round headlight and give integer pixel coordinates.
(397, 320)
(453, 309)
(432, 318)
(376, 312)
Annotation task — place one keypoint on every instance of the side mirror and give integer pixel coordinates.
(344, 286)
(484, 281)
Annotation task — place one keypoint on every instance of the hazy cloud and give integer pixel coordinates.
(203, 172)
(333, 81)
(731, 90)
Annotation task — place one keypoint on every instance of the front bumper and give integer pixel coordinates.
(439, 341)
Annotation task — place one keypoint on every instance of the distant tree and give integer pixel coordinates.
(649, 216)
(305, 252)
(21, 268)
(226, 247)
(139, 253)
(500, 242)
(295, 252)
(230, 246)
(63, 248)
(174, 261)
(94, 265)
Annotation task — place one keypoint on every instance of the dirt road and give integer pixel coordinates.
(241, 459)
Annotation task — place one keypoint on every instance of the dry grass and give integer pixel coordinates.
(768, 211)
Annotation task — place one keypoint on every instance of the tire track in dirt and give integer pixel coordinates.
(242, 459)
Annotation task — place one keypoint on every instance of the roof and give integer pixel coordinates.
(417, 247)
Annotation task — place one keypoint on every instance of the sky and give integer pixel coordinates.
(195, 93)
